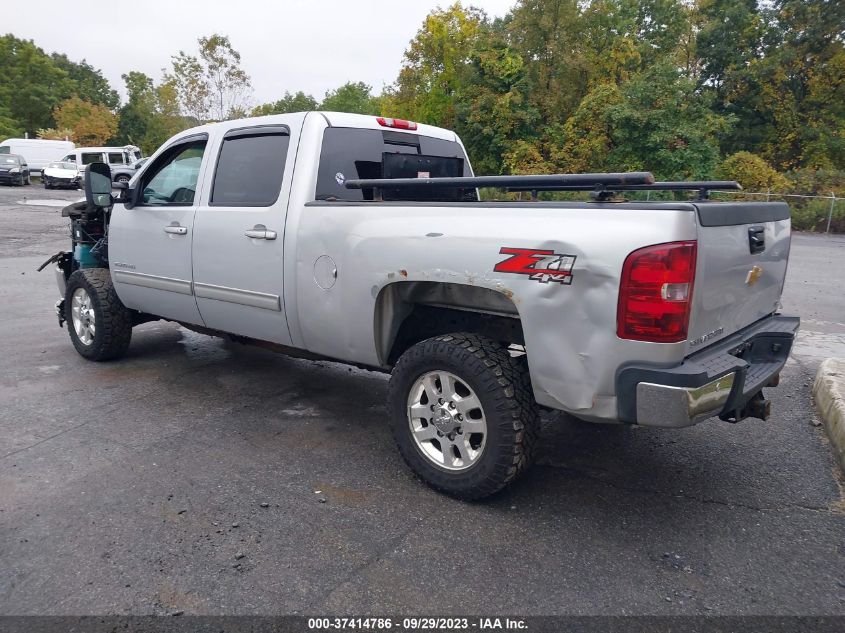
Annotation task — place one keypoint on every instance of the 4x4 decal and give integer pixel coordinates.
(539, 264)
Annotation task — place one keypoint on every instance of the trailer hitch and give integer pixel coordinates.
(758, 407)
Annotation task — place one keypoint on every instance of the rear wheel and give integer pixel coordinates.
(463, 414)
(122, 178)
(100, 326)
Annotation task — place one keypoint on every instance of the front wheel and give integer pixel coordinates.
(100, 326)
(463, 414)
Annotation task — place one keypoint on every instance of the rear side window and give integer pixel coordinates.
(250, 167)
(116, 158)
(87, 159)
(349, 154)
(5, 149)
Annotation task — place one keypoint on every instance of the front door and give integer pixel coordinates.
(150, 244)
(238, 250)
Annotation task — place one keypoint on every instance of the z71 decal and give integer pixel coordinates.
(540, 265)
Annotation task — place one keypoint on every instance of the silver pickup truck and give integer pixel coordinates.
(362, 239)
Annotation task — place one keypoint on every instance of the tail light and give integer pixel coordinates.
(656, 292)
(399, 124)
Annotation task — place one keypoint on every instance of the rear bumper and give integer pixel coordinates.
(720, 380)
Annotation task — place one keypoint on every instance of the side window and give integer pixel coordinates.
(250, 167)
(87, 159)
(115, 158)
(172, 179)
(70, 158)
(5, 149)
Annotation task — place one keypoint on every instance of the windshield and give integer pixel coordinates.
(10, 160)
(60, 165)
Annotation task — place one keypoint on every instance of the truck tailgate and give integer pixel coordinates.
(743, 249)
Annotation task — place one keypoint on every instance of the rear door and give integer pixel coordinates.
(239, 234)
(743, 250)
(150, 244)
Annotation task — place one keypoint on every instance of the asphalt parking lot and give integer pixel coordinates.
(185, 477)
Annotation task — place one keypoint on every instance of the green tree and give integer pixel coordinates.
(496, 118)
(151, 114)
(752, 172)
(431, 74)
(299, 102)
(655, 122)
(9, 127)
(136, 115)
(88, 82)
(31, 85)
(351, 97)
(210, 85)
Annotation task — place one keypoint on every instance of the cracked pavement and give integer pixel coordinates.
(135, 486)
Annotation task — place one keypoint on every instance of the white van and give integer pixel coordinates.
(121, 159)
(37, 152)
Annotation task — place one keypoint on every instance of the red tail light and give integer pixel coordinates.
(656, 293)
(400, 124)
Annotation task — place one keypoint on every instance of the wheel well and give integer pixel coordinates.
(410, 312)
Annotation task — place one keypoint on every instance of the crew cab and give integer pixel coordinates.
(363, 240)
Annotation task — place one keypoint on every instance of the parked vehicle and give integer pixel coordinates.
(61, 175)
(121, 160)
(37, 152)
(14, 170)
(362, 240)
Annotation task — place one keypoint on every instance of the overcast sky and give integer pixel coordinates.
(289, 45)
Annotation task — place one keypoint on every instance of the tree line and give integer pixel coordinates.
(687, 89)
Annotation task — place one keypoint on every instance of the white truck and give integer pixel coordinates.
(362, 239)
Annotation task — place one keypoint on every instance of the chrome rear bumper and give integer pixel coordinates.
(725, 379)
(661, 405)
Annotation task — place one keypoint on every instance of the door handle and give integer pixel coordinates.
(176, 229)
(260, 232)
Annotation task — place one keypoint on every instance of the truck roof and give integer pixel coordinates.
(334, 119)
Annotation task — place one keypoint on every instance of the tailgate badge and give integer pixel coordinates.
(754, 275)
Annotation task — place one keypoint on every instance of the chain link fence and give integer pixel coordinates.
(823, 214)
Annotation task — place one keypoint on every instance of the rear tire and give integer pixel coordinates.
(100, 326)
(476, 454)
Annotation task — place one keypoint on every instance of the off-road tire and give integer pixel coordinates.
(503, 386)
(113, 320)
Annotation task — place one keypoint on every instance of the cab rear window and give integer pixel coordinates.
(352, 153)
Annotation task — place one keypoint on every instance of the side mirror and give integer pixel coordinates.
(98, 185)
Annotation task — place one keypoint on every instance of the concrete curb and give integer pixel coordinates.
(829, 393)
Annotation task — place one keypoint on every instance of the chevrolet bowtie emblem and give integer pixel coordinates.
(754, 275)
